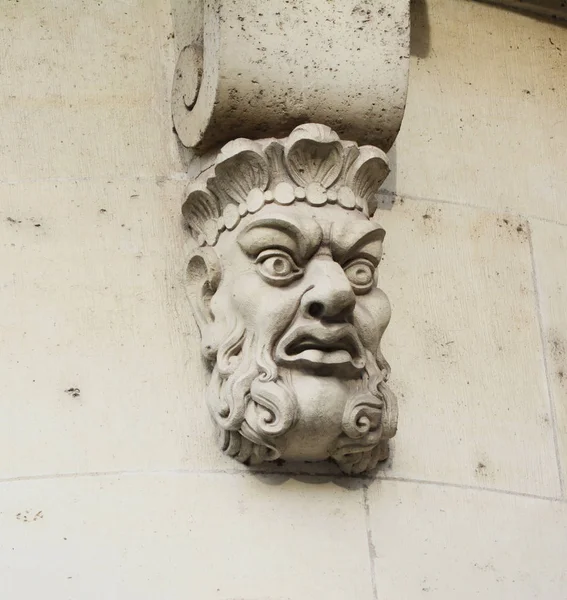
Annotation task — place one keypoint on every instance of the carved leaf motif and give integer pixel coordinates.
(367, 174)
(199, 208)
(275, 155)
(351, 154)
(241, 167)
(314, 154)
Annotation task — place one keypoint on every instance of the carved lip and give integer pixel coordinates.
(336, 349)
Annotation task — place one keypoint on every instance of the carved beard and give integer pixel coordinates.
(254, 405)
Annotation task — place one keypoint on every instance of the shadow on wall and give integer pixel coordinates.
(554, 11)
(350, 483)
(387, 192)
(541, 10)
(419, 31)
(419, 47)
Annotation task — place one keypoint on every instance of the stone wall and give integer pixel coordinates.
(110, 483)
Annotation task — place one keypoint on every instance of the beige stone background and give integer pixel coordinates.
(110, 483)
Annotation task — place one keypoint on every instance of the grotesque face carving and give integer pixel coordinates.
(291, 320)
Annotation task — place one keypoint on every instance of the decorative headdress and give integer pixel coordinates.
(312, 165)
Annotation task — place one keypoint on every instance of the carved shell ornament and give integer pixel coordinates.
(312, 165)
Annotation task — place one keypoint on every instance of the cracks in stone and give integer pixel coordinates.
(549, 387)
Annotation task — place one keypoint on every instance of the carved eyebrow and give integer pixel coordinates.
(301, 240)
(359, 238)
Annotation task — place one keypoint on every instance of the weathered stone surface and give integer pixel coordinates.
(89, 305)
(487, 90)
(258, 70)
(440, 542)
(469, 371)
(183, 535)
(550, 257)
(85, 89)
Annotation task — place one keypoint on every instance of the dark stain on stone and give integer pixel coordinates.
(557, 346)
(27, 516)
(481, 469)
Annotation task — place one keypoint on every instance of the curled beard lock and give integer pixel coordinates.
(253, 407)
(369, 421)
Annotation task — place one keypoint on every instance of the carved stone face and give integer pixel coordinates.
(289, 310)
(314, 269)
(301, 281)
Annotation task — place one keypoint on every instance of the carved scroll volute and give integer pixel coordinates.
(249, 69)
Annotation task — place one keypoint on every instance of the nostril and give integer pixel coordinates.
(316, 310)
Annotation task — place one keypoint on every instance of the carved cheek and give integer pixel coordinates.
(371, 317)
(260, 304)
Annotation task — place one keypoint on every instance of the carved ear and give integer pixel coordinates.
(204, 275)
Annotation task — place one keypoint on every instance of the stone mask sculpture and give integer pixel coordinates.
(284, 291)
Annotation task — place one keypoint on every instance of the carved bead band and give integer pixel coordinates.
(284, 194)
(312, 165)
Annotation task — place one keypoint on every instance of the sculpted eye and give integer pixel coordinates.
(277, 267)
(360, 273)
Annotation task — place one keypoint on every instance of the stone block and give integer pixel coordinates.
(465, 347)
(101, 368)
(484, 116)
(85, 90)
(443, 542)
(211, 537)
(550, 255)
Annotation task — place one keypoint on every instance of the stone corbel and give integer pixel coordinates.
(284, 283)
(259, 69)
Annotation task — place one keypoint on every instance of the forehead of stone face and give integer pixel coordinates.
(303, 230)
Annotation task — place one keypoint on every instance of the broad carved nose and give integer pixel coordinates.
(331, 296)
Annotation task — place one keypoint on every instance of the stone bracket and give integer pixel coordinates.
(258, 69)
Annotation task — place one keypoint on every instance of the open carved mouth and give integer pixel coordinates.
(311, 343)
(324, 349)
